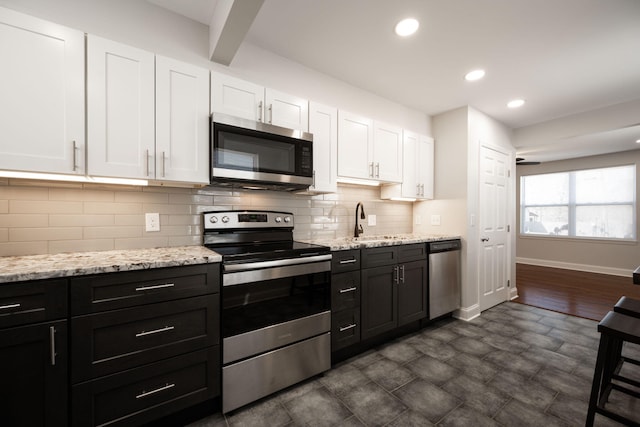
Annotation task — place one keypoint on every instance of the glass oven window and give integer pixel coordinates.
(252, 306)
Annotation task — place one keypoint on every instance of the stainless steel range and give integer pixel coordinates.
(276, 317)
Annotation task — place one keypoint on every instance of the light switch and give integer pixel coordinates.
(371, 219)
(435, 219)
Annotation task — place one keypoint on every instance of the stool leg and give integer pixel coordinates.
(611, 367)
(603, 348)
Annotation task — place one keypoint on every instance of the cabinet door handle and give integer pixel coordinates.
(417, 189)
(163, 164)
(484, 239)
(147, 162)
(402, 270)
(75, 156)
(8, 306)
(346, 328)
(371, 170)
(397, 274)
(260, 111)
(377, 170)
(422, 192)
(270, 113)
(351, 289)
(155, 331)
(148, 288)
(148, 393)
(314, 179)
(52, 344)
(348, 261)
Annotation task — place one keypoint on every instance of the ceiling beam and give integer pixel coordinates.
(229, 25)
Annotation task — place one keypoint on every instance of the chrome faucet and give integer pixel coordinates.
(358, 229)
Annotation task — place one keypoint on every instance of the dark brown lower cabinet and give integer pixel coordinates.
(146, 393)
(379, 303)
(34, 375)
(412, 292)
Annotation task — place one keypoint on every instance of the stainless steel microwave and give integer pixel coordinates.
(252, 154)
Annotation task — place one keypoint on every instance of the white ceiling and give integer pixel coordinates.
(562, 56)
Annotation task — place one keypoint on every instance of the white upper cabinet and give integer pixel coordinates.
(182, 121)
(418, 169)
(120, 110)
(368, 150)
(247, 100)
(323, 124)
(42, 101)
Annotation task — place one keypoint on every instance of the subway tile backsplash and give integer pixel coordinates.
(39, 217)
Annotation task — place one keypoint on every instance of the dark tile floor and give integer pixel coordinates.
(515, 365)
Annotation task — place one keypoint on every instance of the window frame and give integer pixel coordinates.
(572, 206)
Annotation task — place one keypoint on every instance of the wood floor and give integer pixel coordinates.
(588, 295)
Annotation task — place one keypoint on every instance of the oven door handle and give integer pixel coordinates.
(277, 263)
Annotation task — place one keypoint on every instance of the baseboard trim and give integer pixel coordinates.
(513, 293)
(467, 313)
(578, 267)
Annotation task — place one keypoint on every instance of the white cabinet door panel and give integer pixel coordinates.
(182, 121)
(323, 124)
(236, 97)
(387, 152)
(286, 110)
(120, 116)
(410, 182)
(42, 102)
(355, 136)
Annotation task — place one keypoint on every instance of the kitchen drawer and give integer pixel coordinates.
(413, 252)
(31, 302)
(91, 294)
(108, 342)
(342, 261)
(147, 393)
(345, 328)
(345, 290)
(376, 257)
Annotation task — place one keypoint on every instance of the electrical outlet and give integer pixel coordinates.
(371, 219)
(418, 220)
(435, 219)
(152, 221)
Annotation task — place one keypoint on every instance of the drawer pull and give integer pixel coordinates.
(8, 306)
(346, 328)
(148, 393)
(348, 261)
(155, 331)
(351, 289)
(149, 288)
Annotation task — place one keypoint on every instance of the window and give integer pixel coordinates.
(593, 203)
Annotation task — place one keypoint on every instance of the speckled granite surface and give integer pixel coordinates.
(381, 240)
(34, 267)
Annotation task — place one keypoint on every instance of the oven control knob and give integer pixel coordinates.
(213, 219)
(225, 219)
(278, 219)
(287, 219)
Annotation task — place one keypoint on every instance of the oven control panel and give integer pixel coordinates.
(247, 219)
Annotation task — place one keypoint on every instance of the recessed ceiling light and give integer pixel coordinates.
(516, 103)
(474, 75)
(407, 26)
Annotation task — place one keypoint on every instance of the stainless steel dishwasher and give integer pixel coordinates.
(444, 277)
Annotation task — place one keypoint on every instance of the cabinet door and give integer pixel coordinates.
(236, 97)
(412, 292)
(182, 121)
(33, 368)
(410, 180)
(323, 124)
(42, 101)
(286, 110)
(425, 166)
(355, 138)
(120, 110)
(378, 306)
(387, 152)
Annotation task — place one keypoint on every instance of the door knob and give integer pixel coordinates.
(484, 239)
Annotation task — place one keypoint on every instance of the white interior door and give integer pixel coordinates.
(493, 207)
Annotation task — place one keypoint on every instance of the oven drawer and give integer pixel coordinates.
(345, 328)
(140, 395)
(345, 290)
(91, 294)
(108, 342)
(342, 261)
(31, 302)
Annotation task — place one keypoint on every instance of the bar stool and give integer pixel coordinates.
(628, 306)
(615, 329)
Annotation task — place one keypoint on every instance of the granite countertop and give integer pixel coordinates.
(344, 243)
(34, 267)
